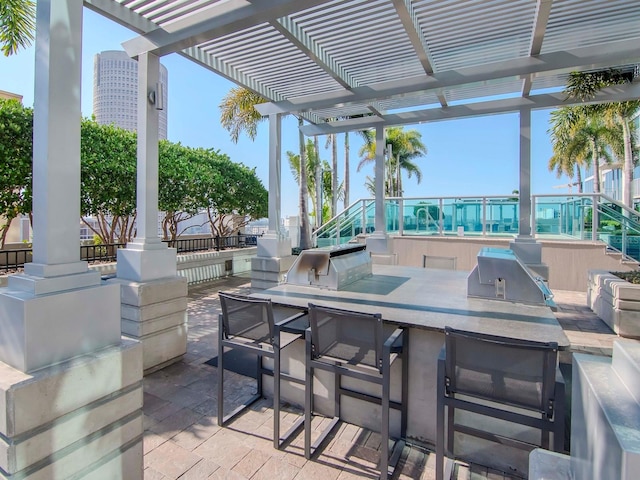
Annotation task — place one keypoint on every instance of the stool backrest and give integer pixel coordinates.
(246, 317)
(505, 370)
(351, 337)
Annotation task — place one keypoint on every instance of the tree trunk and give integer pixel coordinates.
(579, 178)
(596, 168)
(334, 175)
(627, 172)
(305, 238)
(346, 170)
(318, 201)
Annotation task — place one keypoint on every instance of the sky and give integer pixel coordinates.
(467, 157)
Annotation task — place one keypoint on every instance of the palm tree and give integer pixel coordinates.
(406, 148)
(17, 25)
(332, 140)
(313, 165)
(237, 115)
(567, 166)
(346, 170)
(584, 86)
(580, 136)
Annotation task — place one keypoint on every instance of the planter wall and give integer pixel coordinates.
(615, 301)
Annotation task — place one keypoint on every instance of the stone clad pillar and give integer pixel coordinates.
(154, 298)
(378, 241)
(274, 249)
(525, 246)
(70, 387)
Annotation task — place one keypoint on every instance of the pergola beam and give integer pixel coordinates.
(219, 67)
(407, 15)
(298, 37)
(121, 15)
(220, 19)
(617, 93)
(608, 55)
(541, 18)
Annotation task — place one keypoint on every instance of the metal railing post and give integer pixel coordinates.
(441, 217)
(484, 216)
(594, 218)
(400, 217)
(534, 220)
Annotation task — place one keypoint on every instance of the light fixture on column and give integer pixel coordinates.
(156, 97)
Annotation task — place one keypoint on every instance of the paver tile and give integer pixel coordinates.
(250, 464)
(171, 460)
(201, 470)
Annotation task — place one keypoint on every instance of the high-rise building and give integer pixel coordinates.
(115, 91)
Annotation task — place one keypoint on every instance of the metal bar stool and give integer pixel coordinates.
(490, 375)
(356, 345)
(248, 324)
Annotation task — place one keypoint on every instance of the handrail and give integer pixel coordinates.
(621, 205)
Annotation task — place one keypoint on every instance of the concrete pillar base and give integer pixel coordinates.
(140, 264)
(269, 272)
(378, 242)
(80, 418)
(529, 251)
(41, 330)
(155, 314)
(272, 245)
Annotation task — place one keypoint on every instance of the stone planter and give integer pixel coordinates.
(615, 301)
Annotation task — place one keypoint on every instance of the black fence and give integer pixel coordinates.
(185, 245)
(14, 259)
(100, 253)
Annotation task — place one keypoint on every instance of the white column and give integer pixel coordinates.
(274, 248)
(380, 221)
(57, 309)
(378, 242)
(148, 119)
(525, 245)
(524, 223)
(146, 257)
(275, 173)
(56, 147)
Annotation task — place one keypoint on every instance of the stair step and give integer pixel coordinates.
(626, 363)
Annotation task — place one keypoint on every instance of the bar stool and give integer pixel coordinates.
(356, 345)
(489, 375)
(248, 324)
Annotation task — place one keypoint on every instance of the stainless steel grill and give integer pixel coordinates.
(501, 275)
(330, 267)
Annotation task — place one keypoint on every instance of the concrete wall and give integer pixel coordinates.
(569, 262)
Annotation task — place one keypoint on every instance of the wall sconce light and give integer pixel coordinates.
(156, 97)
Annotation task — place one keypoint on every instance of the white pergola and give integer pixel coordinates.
(353, 64)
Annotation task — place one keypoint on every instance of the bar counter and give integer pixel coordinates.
(425, 301)
(428, 299)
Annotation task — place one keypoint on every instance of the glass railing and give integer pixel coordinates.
(477, 216)
(568, 217)
(574, 217)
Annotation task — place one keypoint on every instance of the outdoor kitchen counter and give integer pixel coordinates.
(428, 299)
(425, 300)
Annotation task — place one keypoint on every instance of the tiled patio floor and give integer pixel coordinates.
(182, 438)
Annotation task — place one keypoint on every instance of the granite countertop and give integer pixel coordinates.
(430, 299)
